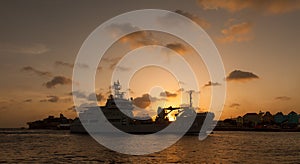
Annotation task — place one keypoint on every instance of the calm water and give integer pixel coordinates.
(221, 147)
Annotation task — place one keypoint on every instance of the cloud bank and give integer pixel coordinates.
(201, 22)
(241, 75)
(58, 80)
(37, 72)
(236, 33)
(177, 47)
(263, 6)
(168, 94)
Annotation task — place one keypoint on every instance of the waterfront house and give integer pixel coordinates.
(251, 119)
(268, 118)
(299, 120)
(239, 121)
(292, 119)
(279, 118)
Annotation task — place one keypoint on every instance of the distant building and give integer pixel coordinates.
(239, 121)
(251, 119)
(279, 118)
(292, 119)
(268, 118)
(229, 122)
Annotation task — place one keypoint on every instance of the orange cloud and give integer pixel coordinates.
(234, 105)
(168, 94)
(143, 101)
(265, 6)
(178, 47)
(236, 33)
(139, 39)
(136, 39)
(283, 98)
(211, 84)
(201, 22)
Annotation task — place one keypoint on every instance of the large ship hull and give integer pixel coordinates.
(148, 128)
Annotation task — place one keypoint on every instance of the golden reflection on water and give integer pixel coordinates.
(220, 147)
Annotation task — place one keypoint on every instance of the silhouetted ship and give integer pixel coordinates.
(55, 123)
(123, 119)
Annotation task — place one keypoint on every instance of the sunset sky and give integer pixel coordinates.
(258, 41)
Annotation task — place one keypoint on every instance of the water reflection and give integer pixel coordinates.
(221, 147)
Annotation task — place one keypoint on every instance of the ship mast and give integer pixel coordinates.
(117, 87)
(190, 92)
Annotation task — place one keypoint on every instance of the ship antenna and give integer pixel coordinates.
(117, 88)
(190, 92)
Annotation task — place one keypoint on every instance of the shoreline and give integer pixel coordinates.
(257, 129)
(215, 129)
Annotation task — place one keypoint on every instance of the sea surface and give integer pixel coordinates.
(47, 146)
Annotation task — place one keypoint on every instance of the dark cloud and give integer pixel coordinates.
(56, 99)
(234, 105)
(38, 72)
(60, 63)
(168, 94)
(241, 75)
(120, 68)
(3, 108)
(51, 98)
(28, 100)
(178, 47)
(89, 97)
(201, 22)
(65, 64)
(211, 84)
(283, 98)
(144, 101)
(58, 80)
(77, 94)
(99, 97)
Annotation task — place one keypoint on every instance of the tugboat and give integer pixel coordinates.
(118, 112)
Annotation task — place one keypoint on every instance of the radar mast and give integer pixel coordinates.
(117, 88)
